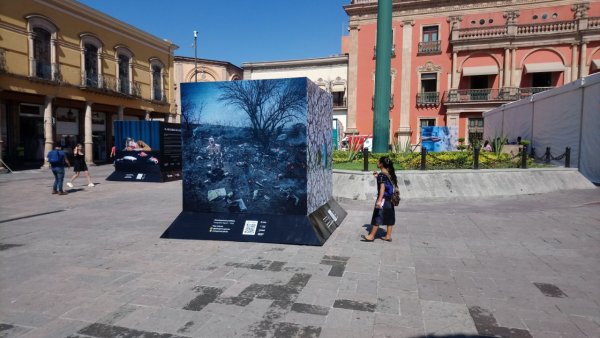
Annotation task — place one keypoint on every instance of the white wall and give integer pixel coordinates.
(568, 116)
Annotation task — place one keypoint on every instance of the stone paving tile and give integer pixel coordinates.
(446, 318)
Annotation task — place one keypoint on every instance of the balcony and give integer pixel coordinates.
(42, 69)
(506, 94)
(2, 60)
(545, 29)
(428, 99)
(393, 51)
(391, 102)
(430, 47)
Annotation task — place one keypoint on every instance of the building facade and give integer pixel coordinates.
(68, 71)
(329, 73)
(452, 60)
(188, 69)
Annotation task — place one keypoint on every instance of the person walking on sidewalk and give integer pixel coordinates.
(58, 160)
(383, 214)
(79, 166)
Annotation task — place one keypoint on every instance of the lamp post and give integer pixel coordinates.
(381, 118)
(195, 56)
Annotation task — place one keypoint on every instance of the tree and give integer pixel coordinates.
(269, 104)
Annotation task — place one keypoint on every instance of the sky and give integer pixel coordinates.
(207, 95)
(238, 31)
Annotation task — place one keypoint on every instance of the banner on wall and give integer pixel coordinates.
(436, 139)
(147, 151)
(257, 169)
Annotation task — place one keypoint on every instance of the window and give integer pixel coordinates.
(41, 53)
(157, 83)
(429, 93)
(425, 123)
(338, 99)
(430, 43)
(90, 65)
(475, 130)
(428, 82)
(430, 33)
(123, 64)
(42, 49)
(541, 79)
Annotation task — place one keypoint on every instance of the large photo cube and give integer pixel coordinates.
(254, 151)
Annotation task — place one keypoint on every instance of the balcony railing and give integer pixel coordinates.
(481, 32)
(594, 22)
(391, 102)
(533, 29)
(428, 99)
(2, 60)
(43, 69)
(547, 28)
(490, 94)
(375, 51)
(430, 47)
(91, 80)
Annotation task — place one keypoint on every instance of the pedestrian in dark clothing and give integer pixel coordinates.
(79, 166)
(58, 160)
(383, 213)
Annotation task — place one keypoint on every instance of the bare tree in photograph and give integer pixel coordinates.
(269, 105)
(191, 113)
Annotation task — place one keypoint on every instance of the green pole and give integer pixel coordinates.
(383, 79)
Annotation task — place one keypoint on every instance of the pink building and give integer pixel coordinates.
(454, 60)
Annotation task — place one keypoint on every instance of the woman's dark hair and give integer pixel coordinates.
(389, 166)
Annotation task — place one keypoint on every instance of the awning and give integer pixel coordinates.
(480, 70)
(596, 64)
(544, 67)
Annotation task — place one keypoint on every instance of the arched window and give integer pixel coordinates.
(42, 48)
(157, 68)
(124, 70)
(91, 62)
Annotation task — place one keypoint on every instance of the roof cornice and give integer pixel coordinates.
(104, 21)
(331, 60)
(179, 58)
(427, 7)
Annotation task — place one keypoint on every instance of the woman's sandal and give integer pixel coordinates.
(385, 239)
(364, 239)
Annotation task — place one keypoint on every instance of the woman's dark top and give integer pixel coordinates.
(385, 215)
(79, 163)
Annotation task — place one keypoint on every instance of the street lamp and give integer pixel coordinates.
(195, 56)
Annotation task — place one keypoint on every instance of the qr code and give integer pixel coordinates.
(250, 228)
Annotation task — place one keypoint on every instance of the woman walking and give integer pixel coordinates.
(79, 166)
(383, 214)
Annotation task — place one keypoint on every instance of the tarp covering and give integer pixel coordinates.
(480, 70)
(544, 67)
(568, 116)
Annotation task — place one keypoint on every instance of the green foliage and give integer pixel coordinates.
(497, 143)
(402, 148)
(435, 161)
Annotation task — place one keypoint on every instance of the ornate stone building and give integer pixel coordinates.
(452, 60)
(67, 71)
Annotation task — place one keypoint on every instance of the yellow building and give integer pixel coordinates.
(68, 71)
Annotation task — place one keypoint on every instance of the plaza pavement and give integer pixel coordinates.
(92, 264)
